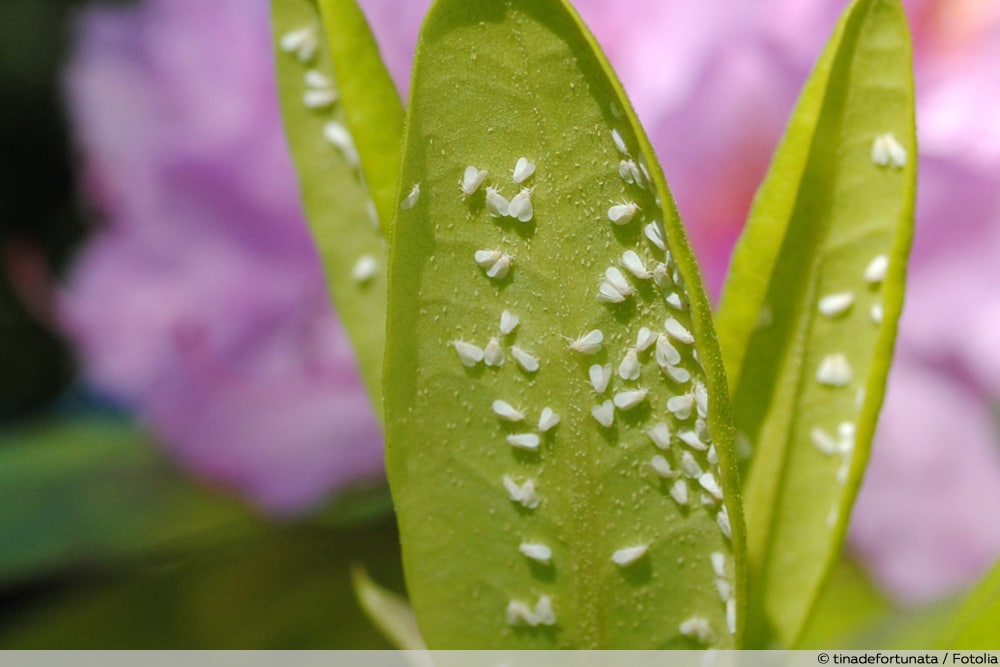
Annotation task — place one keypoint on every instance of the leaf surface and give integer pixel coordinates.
(519, 533)
(808, 317)
(342, 136)
(849, 605)
(973, 625)
(371, 104)
(389, 611)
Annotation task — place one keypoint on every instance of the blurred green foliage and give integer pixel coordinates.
(104, 545)
(85, 493)
(287, 589)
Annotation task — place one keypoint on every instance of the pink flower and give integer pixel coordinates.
(201, 301)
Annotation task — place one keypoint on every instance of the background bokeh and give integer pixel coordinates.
(182, 428)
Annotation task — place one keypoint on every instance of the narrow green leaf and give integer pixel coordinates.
(483, 494)
(848, 605)
(387, 610)
(909, 630)
(332, 128)
(824, 214)
(372, 108)
(973, 625)
(93, 491)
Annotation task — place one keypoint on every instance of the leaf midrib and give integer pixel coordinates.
(580, 531)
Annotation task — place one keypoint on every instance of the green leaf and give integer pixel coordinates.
(848, 605)
(973, 625)
(343, 135)
(372, 108)
(904, 631)
(493, 82)
(823, 214)
(92, 491)
(387, 610)
(288, 589)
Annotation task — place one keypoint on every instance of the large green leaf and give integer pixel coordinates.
(343, 121)
(87, 492)
(973, 625)
(482, 500)
(288, 589)
(806, 287)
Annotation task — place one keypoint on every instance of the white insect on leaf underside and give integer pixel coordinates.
(318, 98)
(681, 405)
(523, 493)
(619, 142)
(644, 339)
(622, 214)
(487, 258)
(338, 136)
(628, 555)
(599, 377)
(493, 354)
(660, 435)
(661, 466)
(507, 412)
(589, 343)
(520, 613)
(302, 43)
(677, 331)
(626, 400)
(697, 628)
(652, 232)
(523, 170)
(834, 371)
(604, 413)
(536, 552)
(634, 265)
(520, 206)
(834, 305)
(608, 294)
(524, 440)
(496, 203)
(364, 269)
(508, 320)
(500, 268)
(472, 179)
(411, 199)
(679, 492)
(888, 152)
(876, 270)
(468, 353)
(630, 368)
(528, 362)
(617, 280)
(666, 353)
(548, 420)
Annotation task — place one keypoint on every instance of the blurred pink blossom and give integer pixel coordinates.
(201, 301)
(198, 304)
